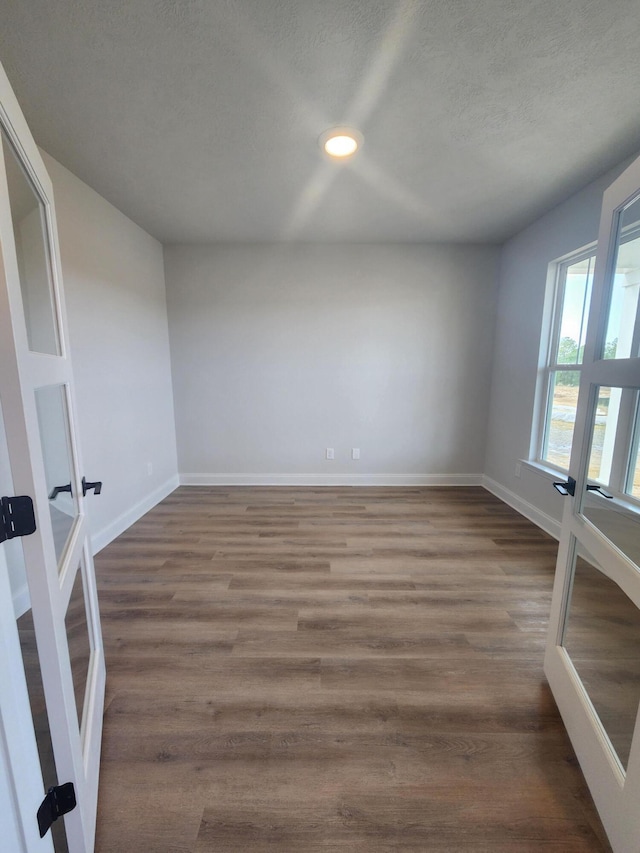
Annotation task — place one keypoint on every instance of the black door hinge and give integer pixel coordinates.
(59, 801)
(16, 517)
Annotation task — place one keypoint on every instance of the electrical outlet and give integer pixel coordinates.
(518, 468)
(149, 468)
(330, 453)
(355, 453)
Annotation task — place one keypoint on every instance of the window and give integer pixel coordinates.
(614, 460)
(574, 279)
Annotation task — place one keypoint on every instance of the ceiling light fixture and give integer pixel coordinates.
(341, 142)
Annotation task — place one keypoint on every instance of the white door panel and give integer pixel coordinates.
(593, 650)
(36, 395)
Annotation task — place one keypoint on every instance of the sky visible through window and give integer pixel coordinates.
(572, 315)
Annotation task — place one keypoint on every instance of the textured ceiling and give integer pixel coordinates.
(199, 119)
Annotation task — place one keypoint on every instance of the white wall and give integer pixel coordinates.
(520, 316)
(116, 307)
(279, 351)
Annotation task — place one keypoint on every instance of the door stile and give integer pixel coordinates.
(18, 752)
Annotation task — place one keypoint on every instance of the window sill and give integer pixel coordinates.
(623, 502)
(543, 470)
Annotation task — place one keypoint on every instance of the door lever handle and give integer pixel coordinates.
(599, 491)
(86, 487)
(568, 488)
(57, 489)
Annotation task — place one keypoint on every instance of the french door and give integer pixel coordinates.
(592, 659)
(52, 690)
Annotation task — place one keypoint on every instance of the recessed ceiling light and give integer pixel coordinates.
(341, 142)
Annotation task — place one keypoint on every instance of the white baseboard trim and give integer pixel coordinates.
(331, 479)
(546, 522)
(124, 521)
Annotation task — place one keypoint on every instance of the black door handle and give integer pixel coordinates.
(57, 489)
(600, 492)
(97, 487)
(568, 488)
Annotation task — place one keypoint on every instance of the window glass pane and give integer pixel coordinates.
(633, 479)
(561, 417)
(623, 327)
(575, 308)
(604, 434)
(634, 482)
(32, 251)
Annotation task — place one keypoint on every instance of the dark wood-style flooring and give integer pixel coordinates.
(333, 669)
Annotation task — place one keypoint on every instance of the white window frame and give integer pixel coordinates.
(557, 274)
(627, 438)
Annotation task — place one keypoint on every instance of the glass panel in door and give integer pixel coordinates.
(53, 421)
(40, 717)
(622, 338)
(32, 251)
(601, 637)
(633, 477)
(79, 635)
(613, 470)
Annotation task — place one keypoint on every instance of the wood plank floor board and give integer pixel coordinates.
(293, 670)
